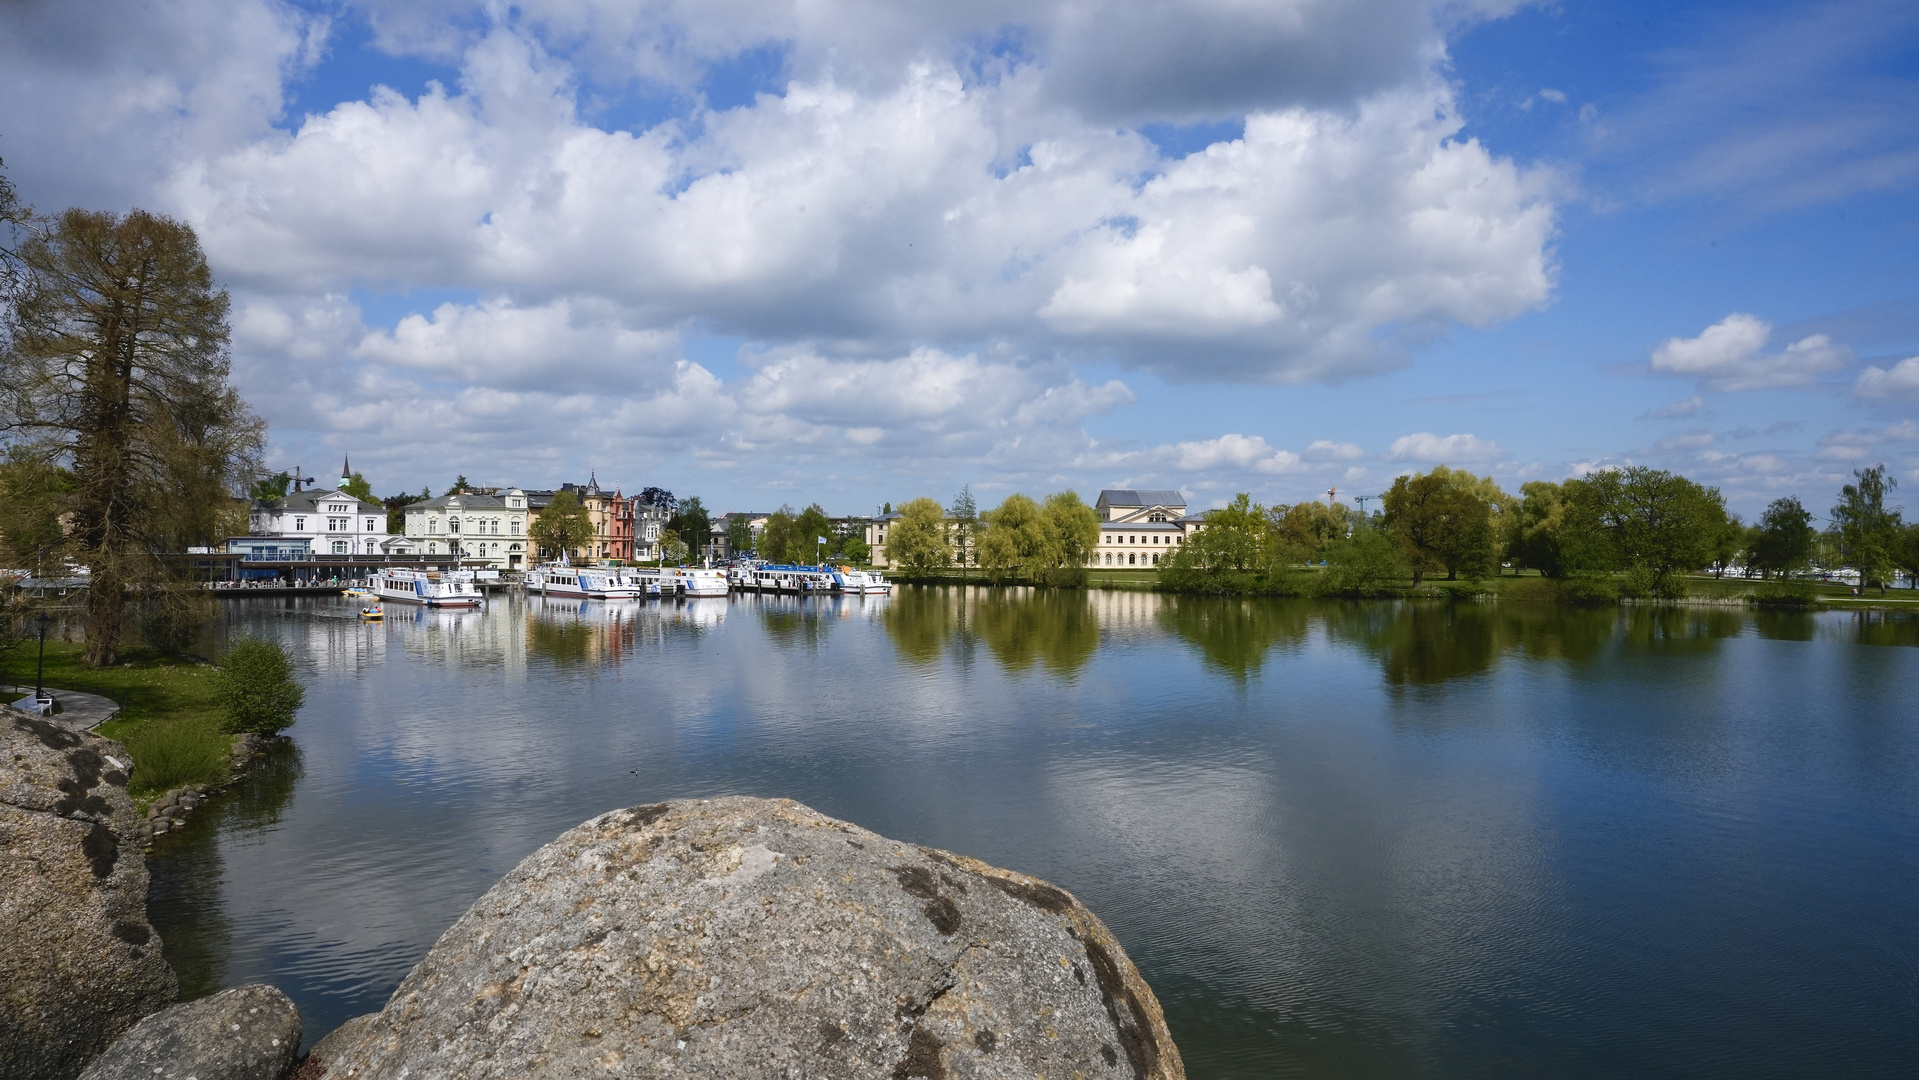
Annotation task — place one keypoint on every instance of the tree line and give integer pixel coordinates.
(1046, 541)
(1636, 531)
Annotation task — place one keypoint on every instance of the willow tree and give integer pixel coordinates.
(115, 368)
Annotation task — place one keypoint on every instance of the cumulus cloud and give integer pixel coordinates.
(1899, 381)
(1868, 444)
(1452, 449)
(930, 216)
(1729, 355)
(1328, 450)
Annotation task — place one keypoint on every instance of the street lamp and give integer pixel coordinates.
(41, 621)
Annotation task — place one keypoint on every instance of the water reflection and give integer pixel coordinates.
(1374, 840)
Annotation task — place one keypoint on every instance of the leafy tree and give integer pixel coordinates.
(1658, 525)
(459, 485)
(396, 511)
(1905, 555)
(691, 523)
(739, 535)
(672, 549)
(1867, 533)
(1233, 554)
(33, 493)
(1444, 520)
(917, 540)
(1075, 529)
(854, 549)
(811, 525)
(1729, 543)
(1534, 527)
(115, 368)
(965, 517)
(779, 537)
(1784, 539)
(1019, 540)
(563, 526)
(269, 488)
(357, 487)
(1304, 530)
(659, 497)
(1371, 562)
(255, 688)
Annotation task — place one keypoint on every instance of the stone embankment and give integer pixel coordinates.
(171, 810)
(79, 963)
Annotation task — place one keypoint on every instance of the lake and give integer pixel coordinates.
(1362, 840)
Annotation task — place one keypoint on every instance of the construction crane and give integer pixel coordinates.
(1331, 494)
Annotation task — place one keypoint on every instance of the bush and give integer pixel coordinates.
(1369, 563)
(1790, 595)
(1536, 590)
(1588, 589)
(174, 753)
(255, 687)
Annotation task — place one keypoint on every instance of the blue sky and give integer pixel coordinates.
(849, 252)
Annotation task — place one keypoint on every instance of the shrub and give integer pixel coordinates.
(1536, 590)
(255, 687)
(1368, 563)
(1790, 595)
(174, 753)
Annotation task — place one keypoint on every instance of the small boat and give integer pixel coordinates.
(358, 590)
(372, 614)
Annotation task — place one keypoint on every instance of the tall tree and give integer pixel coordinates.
(778, 537)
(459, 485)
(1075, 529)
(1534, 527)
(739, 535)
(658, 497)
(1019, 540)
(1654, 520)
(1444, 519)
(917, 540)
(563, 526)
(1785, 537)
(1866, 531)
(691, 522)
(813, 532)
(964, 514)
(116, 368)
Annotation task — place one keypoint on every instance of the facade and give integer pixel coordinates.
(649, 526)
(489, 527)
(332, 522)
(612, 517)
(719, 546)
(1140, 527)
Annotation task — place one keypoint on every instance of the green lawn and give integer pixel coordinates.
(167, 719)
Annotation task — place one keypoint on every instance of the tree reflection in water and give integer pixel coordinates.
(1233, 636)
(1056, 629)
(184, 896)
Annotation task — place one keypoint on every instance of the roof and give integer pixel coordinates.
(1141, 497)
(304, 502)
(1140, 526)
(468, 501)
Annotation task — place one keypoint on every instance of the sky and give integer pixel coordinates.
(855, 252)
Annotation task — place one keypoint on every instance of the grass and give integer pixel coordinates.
(168, 719)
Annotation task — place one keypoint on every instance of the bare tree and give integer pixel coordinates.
(115, 368)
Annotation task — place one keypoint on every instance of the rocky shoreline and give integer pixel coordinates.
(724, 937)
(170, 811)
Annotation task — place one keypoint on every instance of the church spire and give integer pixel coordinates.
(346, 471)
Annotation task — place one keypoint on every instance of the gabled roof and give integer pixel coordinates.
(306, 502)
(468, 501)
(1129, 497)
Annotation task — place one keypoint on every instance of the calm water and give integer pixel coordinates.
(1340, 840)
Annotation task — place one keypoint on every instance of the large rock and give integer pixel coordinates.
(335, 1042)
(247, 1033)
(78, 961)
(748, 938)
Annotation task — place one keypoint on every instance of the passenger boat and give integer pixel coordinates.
(694, 581)
(431, 588)
(803, 580)
(591, 583)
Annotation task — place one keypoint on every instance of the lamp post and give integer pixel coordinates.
(39, 672)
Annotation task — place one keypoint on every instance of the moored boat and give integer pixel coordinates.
(592, 583)
(431, 588)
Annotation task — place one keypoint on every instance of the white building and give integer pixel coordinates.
(331, 521)
(472, 526)
(1140, 527)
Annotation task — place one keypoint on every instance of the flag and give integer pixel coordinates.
(824, 540)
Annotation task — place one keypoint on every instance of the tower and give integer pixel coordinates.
(346, 471)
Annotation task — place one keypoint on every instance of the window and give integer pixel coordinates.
(339, 547)
(432, 525)
(453, 525)
(299, 524)
(1130, 558)
(369, 524)
(516, 529)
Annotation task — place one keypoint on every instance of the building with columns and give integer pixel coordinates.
(472, 525)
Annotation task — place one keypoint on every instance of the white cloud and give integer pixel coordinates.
(1328, 450)
(1728, 356)
(1452, 449)
(498, 344)
(1865, 445)
(1901, 380)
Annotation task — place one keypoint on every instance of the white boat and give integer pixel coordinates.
(805, 580)
(431, 588)
(853, 582)
(591, 583)
(694, 581)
